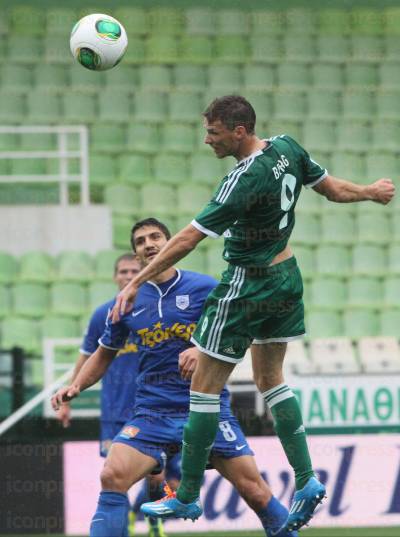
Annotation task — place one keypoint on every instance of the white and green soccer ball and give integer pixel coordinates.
(98, 42)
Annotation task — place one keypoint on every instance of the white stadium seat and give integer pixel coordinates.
(297, 361)
(379, 354)
(334, 355)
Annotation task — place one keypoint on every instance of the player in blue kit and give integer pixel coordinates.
(161, 325)
(118, 389)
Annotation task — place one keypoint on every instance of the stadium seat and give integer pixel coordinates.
(389, 75)
(9, 142)
(266, 49)
(373, 230)
(391, 291)
(177, 138)
(295, 76)
(150, 106)
(28, 166)
(114, 106)
(259, 77)
(392, 20)
(155, 77)
(197, 49)
(162, 49)
(327, 293)
(121, 230)
(75, 267)
(30, 299)
(136, 51)
(289, 105)
(60, 21)
(367, 48)
(189, 77)
(354, 135)
(36, 267)
(327, 76)
(306, 260)
(142, 137)
(333, 48)
(184, 107)
(280, 126)
(394, 259)
(79, 108)
(379, 354)
(306, 230)
(360, 322)
(348, 165)
(16, 78)
(308, 202)
(48, 77)
(170, 169)
(323, 104)
(364, 292)
(319, 135)
(105, 261)
(135, 169)
(24, 50)
(222, 77)
(157, 200)
(100, 292)
(195, 262)
(232, 22)
(392, 47)
(205, 169)
(389, 322)
(385, 136)
(332, 260)
(12, 108)
(299, 48)
(333, 21)
(267, 22)
(102, 169)
(166, 20)
(60, 327)
(23, 333)
(69, 299)
(192, 198)
(335, 230)
(361, 77)
(334, 356)
(358, 105)
(200, 21)
(301, 21)
(135, 20)
(215, 262)
(26, 21)
(395, 229)
(83, 81)
(323, 324)
(121, 78)
(5, 301)
(369, 260)
(261, 102)
(56, 50)
(231, 49)
(297, 360)
(122, 198)
(365, 21)
(108, 138)
(43, 107)
(9, 268)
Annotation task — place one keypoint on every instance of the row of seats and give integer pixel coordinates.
(28, 20)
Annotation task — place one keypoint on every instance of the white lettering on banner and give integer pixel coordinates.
(361, 472)
(351, 401)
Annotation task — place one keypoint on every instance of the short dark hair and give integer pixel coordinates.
(149, 222)
(124, 257)
(232, 111)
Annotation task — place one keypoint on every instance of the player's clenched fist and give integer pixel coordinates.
(63, 395)
(382, 191)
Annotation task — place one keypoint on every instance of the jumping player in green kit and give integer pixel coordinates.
(258, 302)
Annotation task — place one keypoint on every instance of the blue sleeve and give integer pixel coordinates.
(115, 335)
(94, 330)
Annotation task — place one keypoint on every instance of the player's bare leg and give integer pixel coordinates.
(267, 368)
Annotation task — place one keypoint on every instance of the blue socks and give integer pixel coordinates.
(273, 516)
(111, 516)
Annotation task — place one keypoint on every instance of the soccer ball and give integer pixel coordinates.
(98, 42)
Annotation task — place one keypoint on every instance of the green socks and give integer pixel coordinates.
(290, 429)
(198, 438)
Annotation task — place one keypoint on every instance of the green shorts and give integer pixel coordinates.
(251, 305)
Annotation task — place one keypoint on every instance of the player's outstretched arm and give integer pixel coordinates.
(342, 191)
(175, 249)
(64, 412)
(91, 372)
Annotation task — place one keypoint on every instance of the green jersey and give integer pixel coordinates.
(253, 206)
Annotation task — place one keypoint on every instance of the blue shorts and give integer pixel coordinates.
(108, 430)
(161, 436)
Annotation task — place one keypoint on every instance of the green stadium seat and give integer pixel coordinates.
(385, 137)
(358, 105)
(205, 169)
(232, 22)
(150, 106)
(20, 332)
(259, 77)
(324, 324)
(392, 20)
(333, 48)
(366, 21)
(261, 102)
(388, 104)
(189, 77)
(60, 21)
(155, 77)
(395, 229)
(9, 141)
(332, 260)
(43, 108)
(114, 106)
(389, 322)
(121, 78)
(200, 21)
(266, 49)
(394, 259)
(107, 137)
(333, 21)
(369, 260)
(24, 49)
(121, 229)
(392, 48)
(214, 261)
(30, 299)
(361, 76)
(327, 76)
(306, 230)
(280, 126)
(195, 261)
(37, 267)
(69, 299)
(136, 20)
(231, 49)
(83, 81)
(102, 170)
(26, 21)
(306, 260)
(49, 77)
(389, 75)
(170, 169)
(16, 78)
(157, 200)
(12, 108)
(177, 138)
(56, 50)
(5, 301)
(60, 327)
(79, 108)
(196, 49)
(28, 166)
(162, 49)
(308, 202)
(354, 135)
(288, 105)
(301, 21)
(136, 52)
(373, 228)
(337, 230)
(350, 166)
(364, 292)
(75, 267)
(360, 323)
(122, 199)
(391, 292)
(100, 292)
(327, 293)
(223, 77)
(381, 164)
(294, 76)
(166, 21)
(367, 48)
(267, 22)
(135, 169)
(184, 107)
(299, 48)
(323, 104)
(192, 198)
(319, 136)
(142, 137)
(105, 261)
